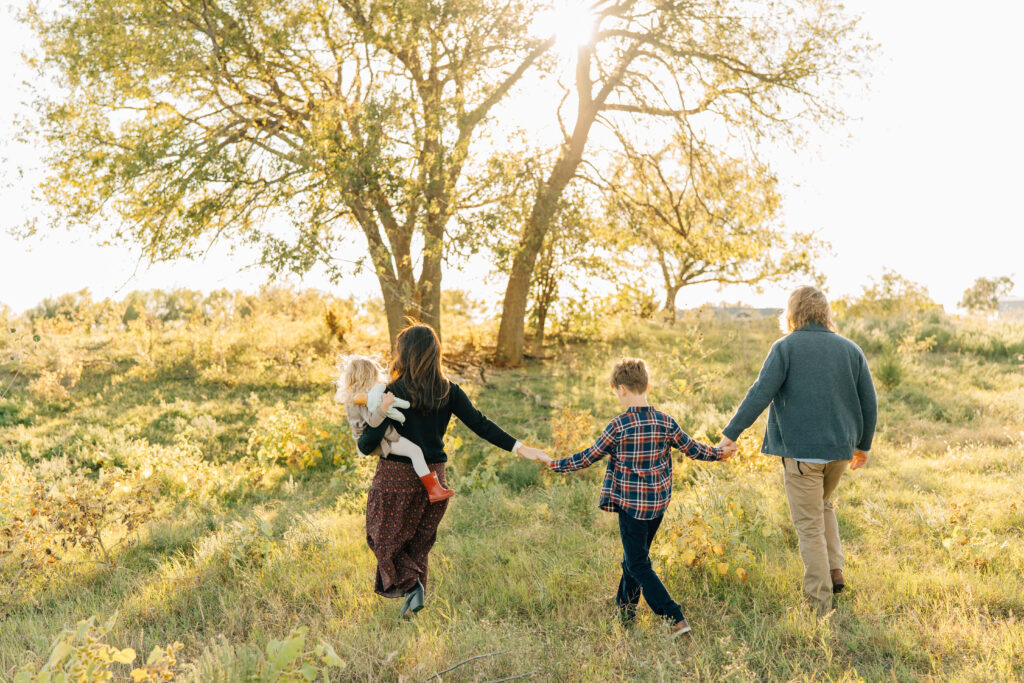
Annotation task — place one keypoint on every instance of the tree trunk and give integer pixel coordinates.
(670, 301)
(430, 281)
(538, 334)
(436, 194)
(395, 310)
(513, 309)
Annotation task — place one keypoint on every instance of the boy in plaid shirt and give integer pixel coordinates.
(638, 485)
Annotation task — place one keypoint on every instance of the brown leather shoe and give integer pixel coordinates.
(837, 581)
(680, 627)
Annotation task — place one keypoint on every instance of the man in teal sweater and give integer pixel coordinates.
(822, 414)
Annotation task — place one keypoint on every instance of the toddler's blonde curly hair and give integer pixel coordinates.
(357, 375)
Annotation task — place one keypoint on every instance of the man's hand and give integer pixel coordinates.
(860, 458)
(386, 400)
(728, 446)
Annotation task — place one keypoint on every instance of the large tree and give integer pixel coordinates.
(743, 68)
(578, 248)
(699, 216)
(172, 123)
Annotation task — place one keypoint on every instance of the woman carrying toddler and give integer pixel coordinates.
(401, 522)
(368, 403)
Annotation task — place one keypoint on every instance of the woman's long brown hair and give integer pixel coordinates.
(417, 368)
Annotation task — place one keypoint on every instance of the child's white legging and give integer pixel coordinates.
(408, 449)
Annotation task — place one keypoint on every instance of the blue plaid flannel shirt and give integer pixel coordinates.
(638, 443)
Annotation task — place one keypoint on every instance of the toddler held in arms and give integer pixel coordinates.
(367, 402)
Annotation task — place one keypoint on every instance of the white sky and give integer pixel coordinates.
(924, 182)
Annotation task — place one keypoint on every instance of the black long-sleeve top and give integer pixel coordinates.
(427, 429)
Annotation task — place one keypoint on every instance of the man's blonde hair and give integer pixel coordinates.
(630, 373)
(807, 305)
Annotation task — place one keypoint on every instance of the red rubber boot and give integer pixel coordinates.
(435, 491)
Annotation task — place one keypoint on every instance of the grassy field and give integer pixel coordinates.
(194, 484)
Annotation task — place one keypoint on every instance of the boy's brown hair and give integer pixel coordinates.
(630, 373)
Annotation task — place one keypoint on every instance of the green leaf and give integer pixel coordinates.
(61, 650)
(289, 650)
(329, 656)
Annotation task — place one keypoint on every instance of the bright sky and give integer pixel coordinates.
(924, 182)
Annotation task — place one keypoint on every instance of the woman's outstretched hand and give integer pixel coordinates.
(531, 453)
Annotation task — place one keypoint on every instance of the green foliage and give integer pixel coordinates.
(290, 661)
(301, 440)
(79, 654)
(47, 525)
(694, 215)
(888, 296)
(983, 296)
(178, 126)
(888, 370)
(234, 553)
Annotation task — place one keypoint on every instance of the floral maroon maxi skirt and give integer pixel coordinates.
(401, 526)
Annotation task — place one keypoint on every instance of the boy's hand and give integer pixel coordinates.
(729, 448)
(386, 400)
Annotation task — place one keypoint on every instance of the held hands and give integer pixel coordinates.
(729, 448)
(537, 454)
(860, 458)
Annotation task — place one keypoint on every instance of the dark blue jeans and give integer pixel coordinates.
(638, 575)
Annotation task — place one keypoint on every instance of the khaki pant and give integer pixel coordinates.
(809, 486)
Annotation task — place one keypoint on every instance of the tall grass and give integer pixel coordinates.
(256, 526)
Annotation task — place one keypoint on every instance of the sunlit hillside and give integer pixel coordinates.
(173, 468)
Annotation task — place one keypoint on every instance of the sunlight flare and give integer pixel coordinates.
(571, 22)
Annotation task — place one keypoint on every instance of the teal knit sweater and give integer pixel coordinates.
(821, 397)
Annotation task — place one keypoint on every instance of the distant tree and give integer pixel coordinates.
(701, 217)
(751, 70)
(890, 295)
(65, 311)
(173, 124)
(983, 296)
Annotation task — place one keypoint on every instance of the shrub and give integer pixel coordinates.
(571, 430)
(45, 523)
(13, 413)
(888, 370)
(281, 661)
(80, 654)
(294, 438)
